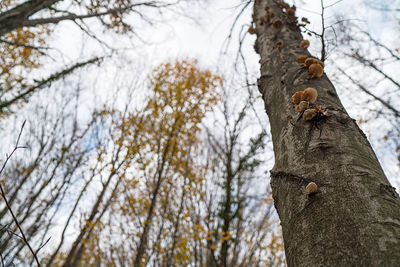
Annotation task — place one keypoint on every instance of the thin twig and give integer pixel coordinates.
(365, 90)
(227, 41)
(44, 244)
(6, 103)
(6, 201)
(323, 48)
(331, 5)
(38, 48)
(248, 84)
(10, 232)
(2, 261)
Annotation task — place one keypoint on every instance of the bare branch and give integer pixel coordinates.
(335, 3)
(365, 90)
(229, 37)
(323, 48)
(18, 16)
(44, 244)
(38, 48)
(5, 104)
(5, 198)
(371, 64)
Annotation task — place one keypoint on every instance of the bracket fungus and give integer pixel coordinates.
(305, 44)
(316, 70)
(304, 104)
(309, 114)
(309, 61)
(301, 59)
(309, 94)
(251, 30)
(311, 188)
(315, 66)
(290, 12)
(278, 24)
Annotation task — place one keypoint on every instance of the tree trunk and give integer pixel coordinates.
(354, 217)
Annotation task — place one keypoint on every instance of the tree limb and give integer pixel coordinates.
(42, 83)
(365, 90)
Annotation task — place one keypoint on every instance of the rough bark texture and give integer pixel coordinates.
(354, 218)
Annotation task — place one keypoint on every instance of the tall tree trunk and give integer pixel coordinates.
(227, 212)
(354, 217)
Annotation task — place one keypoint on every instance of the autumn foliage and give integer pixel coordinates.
(144, 191)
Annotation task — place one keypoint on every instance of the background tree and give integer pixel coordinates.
(328, 149)
(39, 182)
(141, 180)
(148, 155)
(239, 218)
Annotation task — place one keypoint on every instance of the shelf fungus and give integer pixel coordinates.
(309, 61)
(309, 95)
(278, 24)
(291, 12)
(309, 114)
(301, 59)
(304, 104)
(311, 188)
(251, 30)
(305, 44)
(315, 70)
(315, 66)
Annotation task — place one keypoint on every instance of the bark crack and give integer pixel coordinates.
(293, 177)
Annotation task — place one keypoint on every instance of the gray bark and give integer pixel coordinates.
(354, 217)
